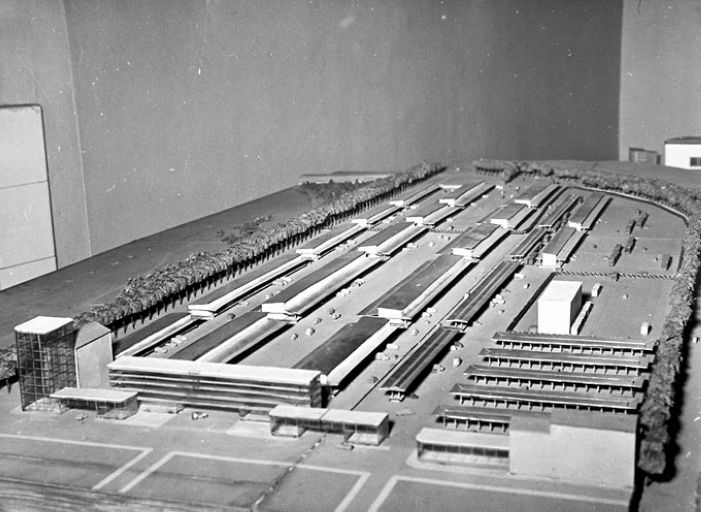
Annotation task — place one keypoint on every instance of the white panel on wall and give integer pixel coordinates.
(25, 224)
(22, 156)
(27, 247)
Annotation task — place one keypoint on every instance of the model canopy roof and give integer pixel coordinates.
(561, 291)
(42, 325)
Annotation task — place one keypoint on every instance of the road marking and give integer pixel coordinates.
(118, 472)
(389, 486)
(147, 472)
(384, 493)
(144, 452)
(362, 476)
(352, 493)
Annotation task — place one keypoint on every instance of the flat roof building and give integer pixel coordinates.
(586, 214)
(536, 194)
(358, 427)
(476, 241)
(53, 353)
(583, 447)
(558, 250)
(684, 152)
(510, 215)
(234, 387)
(558, 306)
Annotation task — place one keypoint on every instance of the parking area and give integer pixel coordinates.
(238, 482)
(411, 493)
(82, 464)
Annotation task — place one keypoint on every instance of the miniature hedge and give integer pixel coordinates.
(8, 365)
(662, 393)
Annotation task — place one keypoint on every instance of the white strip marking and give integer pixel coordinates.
(70, 441)
(118, 472)
(146, 473)
(363, 476)
(352, 493)
(387, 489)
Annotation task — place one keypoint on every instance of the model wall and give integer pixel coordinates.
(190, 107)
(660, 72)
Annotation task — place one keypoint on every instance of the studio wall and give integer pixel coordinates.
(160, 112)
(186, 108)
(35, 68)
(660, 72)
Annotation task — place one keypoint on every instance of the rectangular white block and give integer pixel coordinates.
(558, 306)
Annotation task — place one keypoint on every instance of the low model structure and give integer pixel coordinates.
(572, 446)
(558, 306)
(684, 152)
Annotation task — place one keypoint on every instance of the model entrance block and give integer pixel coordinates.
(93, 352)
(558, 306)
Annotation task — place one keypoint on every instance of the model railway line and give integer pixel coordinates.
(417, 362)
(558, 210)
(409, 297)
(466, 311)
(226, 296)
(155, 334)
(528, 249)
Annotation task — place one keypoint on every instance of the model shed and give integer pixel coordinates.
(684, 152)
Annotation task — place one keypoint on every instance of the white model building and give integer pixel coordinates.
(558, 306)
(684, 152)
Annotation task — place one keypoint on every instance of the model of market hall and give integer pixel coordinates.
(532, 394)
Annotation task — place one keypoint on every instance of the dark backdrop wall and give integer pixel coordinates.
(186, 108)
(660, 72)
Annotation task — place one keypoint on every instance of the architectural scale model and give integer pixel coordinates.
(502, 334)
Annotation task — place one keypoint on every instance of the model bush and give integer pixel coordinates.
(8, 365)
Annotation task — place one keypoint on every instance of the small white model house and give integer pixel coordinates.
(558, 306)
(684, 152)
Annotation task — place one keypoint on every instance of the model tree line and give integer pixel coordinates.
(662, 392)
